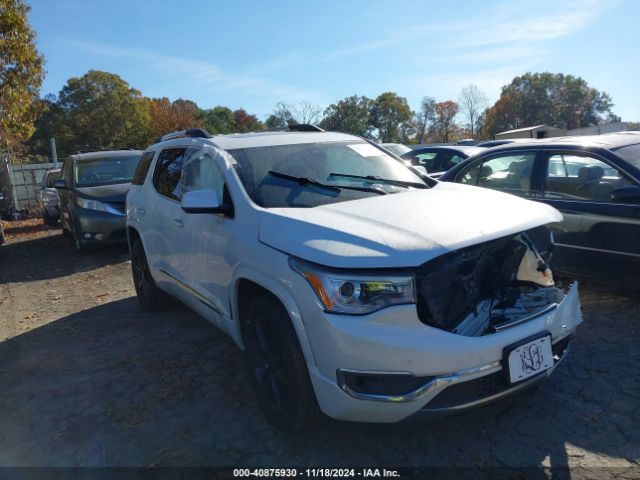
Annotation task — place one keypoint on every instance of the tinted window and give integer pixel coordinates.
(143, 167)
(167, 174)
(317, 161)
(510, 172)
(105, 170)
(580, 177)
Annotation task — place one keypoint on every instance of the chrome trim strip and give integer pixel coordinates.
(518, 321)
(432, 387)
(197, 295)
(591, 249)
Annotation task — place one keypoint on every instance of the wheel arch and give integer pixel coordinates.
(246, 285)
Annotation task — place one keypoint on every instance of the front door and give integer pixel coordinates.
(599, 237)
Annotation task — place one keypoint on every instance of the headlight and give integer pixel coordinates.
(91, 204)
(355, 294)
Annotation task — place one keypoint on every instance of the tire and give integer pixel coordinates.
(80, 246)
(49, 220)
(277, 366)
(151, 298)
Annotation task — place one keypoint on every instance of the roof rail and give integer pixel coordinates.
(304, 127)
(190, 132)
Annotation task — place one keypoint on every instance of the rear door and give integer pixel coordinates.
(598, 237)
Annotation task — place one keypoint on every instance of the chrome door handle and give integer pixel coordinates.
(141, 211)
(179, 223)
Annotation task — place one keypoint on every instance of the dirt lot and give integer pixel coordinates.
(87, 378)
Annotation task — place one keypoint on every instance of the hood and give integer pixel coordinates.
(106, 193)
(400, 230)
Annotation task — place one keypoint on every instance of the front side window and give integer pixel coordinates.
(105, 170)
(510, 172)
(581, 177)
(200, 172)
(320, 173)
(166, 177)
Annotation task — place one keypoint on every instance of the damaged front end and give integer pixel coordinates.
(487, 287)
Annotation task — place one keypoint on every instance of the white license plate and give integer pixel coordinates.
(530, 359)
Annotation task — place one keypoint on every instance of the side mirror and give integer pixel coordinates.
(60, 184)
(203, 201)
(626, 195)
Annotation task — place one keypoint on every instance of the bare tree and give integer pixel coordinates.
(472, 103)
(424, 117)
(307, 112)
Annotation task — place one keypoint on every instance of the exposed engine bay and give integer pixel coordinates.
(487, 287)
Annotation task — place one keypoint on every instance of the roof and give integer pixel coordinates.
(105, 154)
(268, 139)
(609, 141)
(466, 149)
(527, 129)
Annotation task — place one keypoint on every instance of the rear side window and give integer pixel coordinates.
(168, 170)
(143, 167)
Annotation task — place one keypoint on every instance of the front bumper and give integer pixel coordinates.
(97, 228)
(394, 341)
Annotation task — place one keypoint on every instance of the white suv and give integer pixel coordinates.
(355, 286)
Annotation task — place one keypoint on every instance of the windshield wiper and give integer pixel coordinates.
(387, 181)
(310, 181)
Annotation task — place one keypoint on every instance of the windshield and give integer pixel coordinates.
(263, 172)
(105, 171)
(631, 154)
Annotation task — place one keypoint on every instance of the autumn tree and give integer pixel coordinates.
(167, 116)
(243, 122)
(21, 75)
(350, 115)
(560, 100)
(472, 103)
(424, 118)
(392, 117)
(444, 120)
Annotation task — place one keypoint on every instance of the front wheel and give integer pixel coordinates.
(277, 366)
(151, 298)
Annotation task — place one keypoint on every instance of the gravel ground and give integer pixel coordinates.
(88, 379)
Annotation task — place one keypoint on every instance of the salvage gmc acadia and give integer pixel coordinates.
(355, 286)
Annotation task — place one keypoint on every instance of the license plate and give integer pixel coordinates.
(530, 359)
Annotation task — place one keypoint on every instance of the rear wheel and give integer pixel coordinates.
(49, 220)
(277, 366)
(151, 298)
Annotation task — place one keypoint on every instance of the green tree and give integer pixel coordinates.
(21, 74)
(218, 120)
(392, 117)
(350, 115)
(102, 111)
(560, 100)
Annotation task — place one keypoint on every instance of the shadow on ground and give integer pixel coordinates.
(52, 256)
(114, 386)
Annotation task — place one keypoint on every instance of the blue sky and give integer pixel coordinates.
(253, 54)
